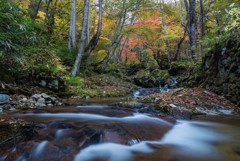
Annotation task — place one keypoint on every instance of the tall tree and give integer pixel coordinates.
(88, 27)
(192, 28)
(83, 38)
(93, 42)
(116, 39)
(72, 30)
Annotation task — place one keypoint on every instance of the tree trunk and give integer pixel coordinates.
(177, 55)
(88, 27)
(72, 31)
(192, 30)
(119, 55)
(37, 9)
(83, 38)
(92, 44)
(94, 18)
(115, 39)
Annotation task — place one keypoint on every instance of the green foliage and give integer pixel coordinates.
(16, 30)
(74, 81)
(233, 21)
(23, 107)
(230, 29)
(67, 56)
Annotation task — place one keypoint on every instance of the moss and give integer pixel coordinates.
(161, 107)
(74, 81)
(101, 86)
(23, 107)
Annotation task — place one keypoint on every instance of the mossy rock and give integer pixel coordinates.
(145, 78)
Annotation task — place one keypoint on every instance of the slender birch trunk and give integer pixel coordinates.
(88, 26)
(93, 42)
(72, 30)
(83, 38)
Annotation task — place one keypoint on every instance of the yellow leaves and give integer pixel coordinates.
(41, 16)
(105, 39)
(102, 52)
(24, 4)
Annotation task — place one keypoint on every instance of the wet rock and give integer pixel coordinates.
(132, 104)
(144, 91)
(1, 109)
(4, 99)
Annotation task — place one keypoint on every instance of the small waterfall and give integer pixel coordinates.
(59, 133)
(40, 147)
(171, 83)
(136, 93)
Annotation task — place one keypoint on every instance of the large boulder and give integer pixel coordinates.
(148, 79)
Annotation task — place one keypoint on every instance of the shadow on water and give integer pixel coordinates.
(95, 132)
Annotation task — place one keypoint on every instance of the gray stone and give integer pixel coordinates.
(53, 99)
(36, 96)
(41, 100)
(24, 99)
(54, 84)
(40, 104)
(44, 95)
(4, 99)
(43, 83)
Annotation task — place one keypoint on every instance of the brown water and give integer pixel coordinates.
(98, 132)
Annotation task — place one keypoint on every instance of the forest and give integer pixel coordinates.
(98, 72)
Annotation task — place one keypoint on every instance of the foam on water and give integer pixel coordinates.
(40, 147)
(136, 93)
(136, 117)
(60, 133)
(194, 139)
(111, 152)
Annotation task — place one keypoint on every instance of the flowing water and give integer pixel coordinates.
(100, 132)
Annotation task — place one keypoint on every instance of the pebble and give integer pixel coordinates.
(172, 105)
(40, 104)
(24, 99)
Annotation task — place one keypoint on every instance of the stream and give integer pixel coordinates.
(98, 130)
